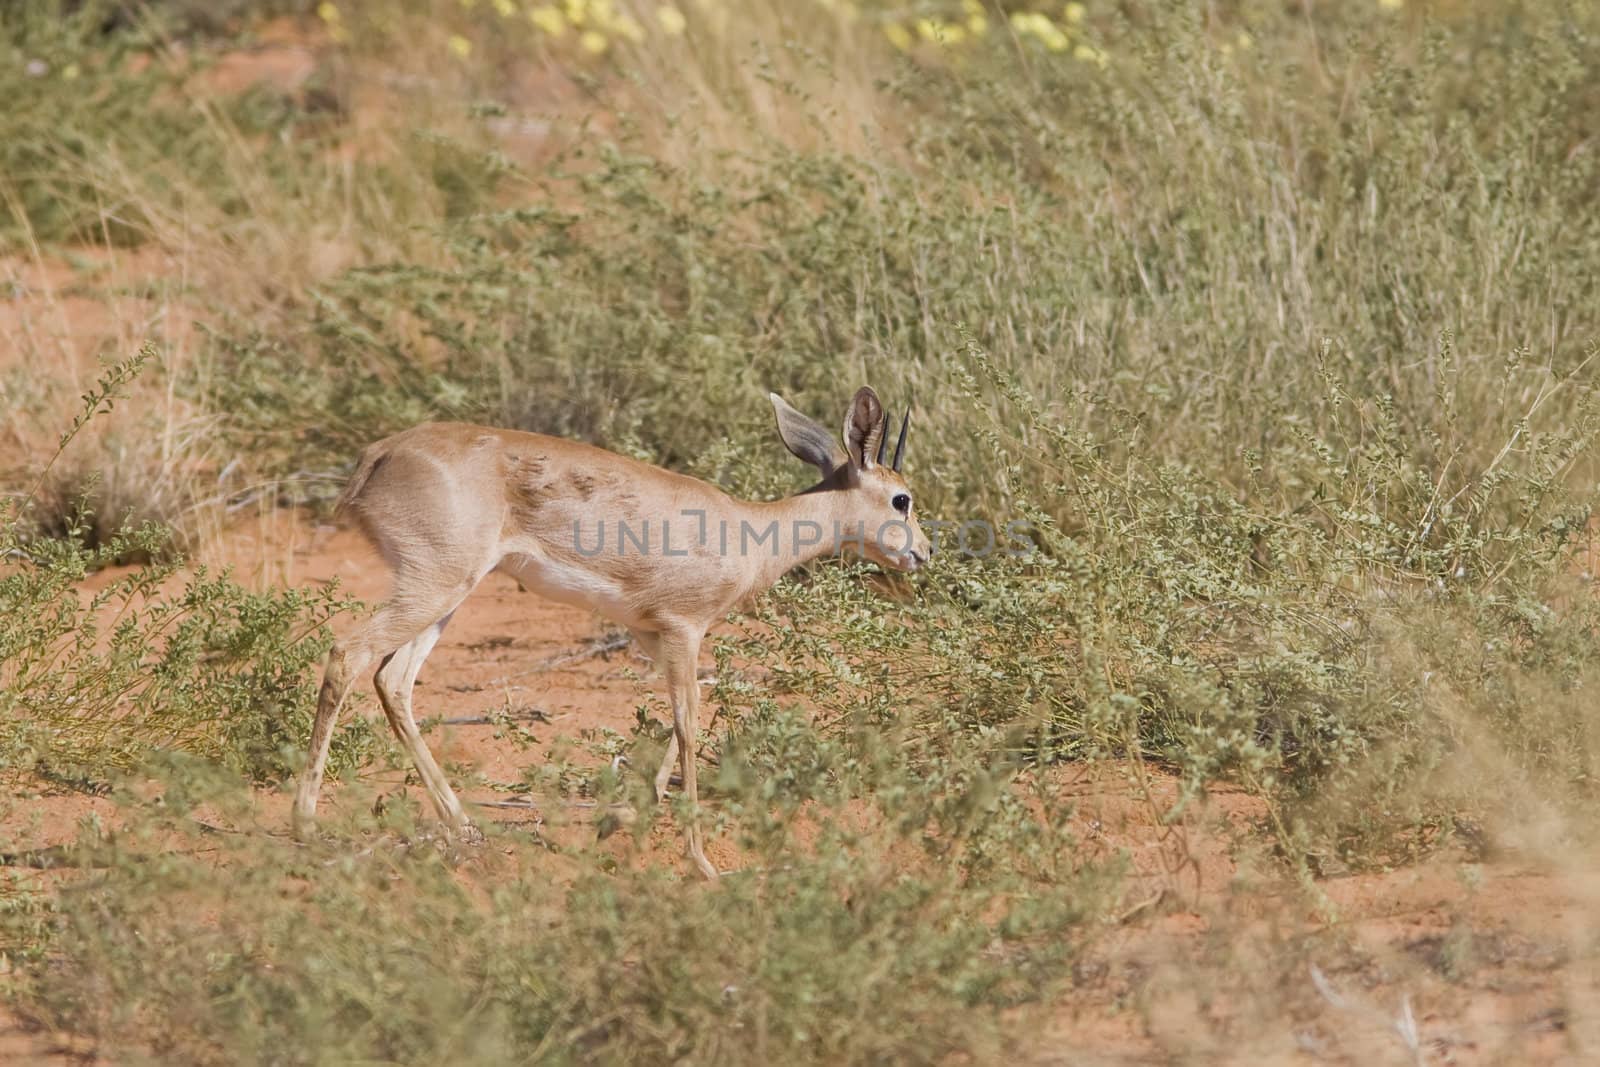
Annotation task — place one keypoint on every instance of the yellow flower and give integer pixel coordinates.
(577, 11)
(1074, 12)
(942, 33)
(1246, 42)
(70, 71)
(460, 46)
(671, 19)
(1026, 22)
(505, 7)
(1041, 27)
(1089, 54)
(329, 14)
(1392, 5)
(977, 19)
(627, 26)
(593, 43)
(548, 19)
(898, 35)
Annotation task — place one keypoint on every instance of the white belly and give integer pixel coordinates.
(569, 583)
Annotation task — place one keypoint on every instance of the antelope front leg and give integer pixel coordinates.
(668, 762)
(681, 653)
(650, 642)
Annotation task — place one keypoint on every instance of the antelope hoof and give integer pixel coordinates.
(302, 826)
(697, 853)
(615, 817)
(662, 782)
(705, 868)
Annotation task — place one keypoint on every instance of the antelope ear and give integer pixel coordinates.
(863, 428)
(807, 438)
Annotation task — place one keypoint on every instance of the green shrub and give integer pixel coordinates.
(890, 935)
(158, 657)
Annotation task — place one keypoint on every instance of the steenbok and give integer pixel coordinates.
(660, 553)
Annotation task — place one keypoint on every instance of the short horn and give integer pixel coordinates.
(883, 438)
(900, 446)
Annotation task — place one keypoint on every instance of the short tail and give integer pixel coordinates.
(370, 461)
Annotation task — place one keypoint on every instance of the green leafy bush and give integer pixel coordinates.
(158, 656)
(890, 935)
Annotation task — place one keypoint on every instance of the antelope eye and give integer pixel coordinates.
(901, 503)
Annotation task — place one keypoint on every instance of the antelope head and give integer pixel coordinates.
(872, 504)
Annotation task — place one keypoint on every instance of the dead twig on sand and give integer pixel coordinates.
(602, 647)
